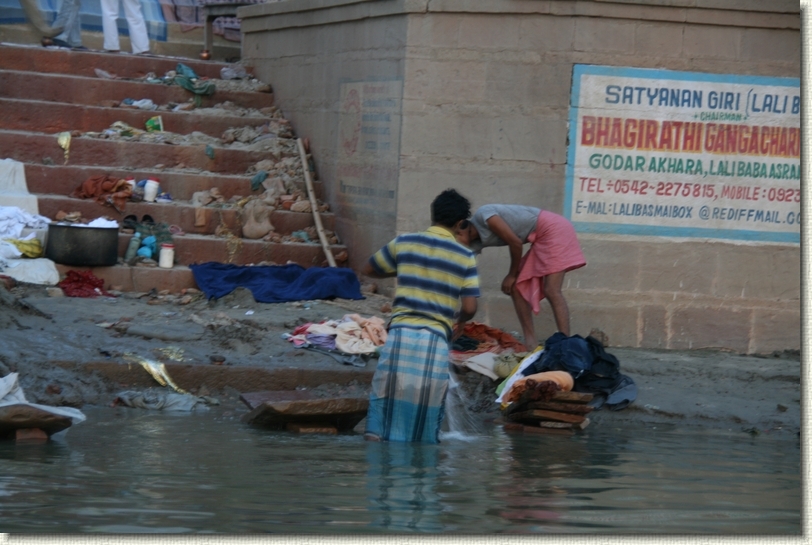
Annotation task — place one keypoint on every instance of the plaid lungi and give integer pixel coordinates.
(407, 402)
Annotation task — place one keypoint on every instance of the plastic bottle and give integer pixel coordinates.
(132, 247)
(150, 190)
(167, 256)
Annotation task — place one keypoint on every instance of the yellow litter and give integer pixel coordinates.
(63, 139)
(157, 370)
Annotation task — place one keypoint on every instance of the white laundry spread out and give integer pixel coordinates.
(14, 219)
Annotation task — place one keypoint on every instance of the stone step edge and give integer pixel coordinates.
(238, 160)
(228, 184)
(216, 377)
(63, 60)
(188, 121)
(154, 91)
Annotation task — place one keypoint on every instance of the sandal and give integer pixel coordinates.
(130, 222)
(147, 220)
(176, 230)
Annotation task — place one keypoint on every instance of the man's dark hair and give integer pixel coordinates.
(450, 207)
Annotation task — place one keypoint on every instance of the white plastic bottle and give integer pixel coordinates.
(166, 259)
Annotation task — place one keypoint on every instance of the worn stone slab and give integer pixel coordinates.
(30, 435)
(281, 408)
(18, 417)
(167, 332)
(306, 428)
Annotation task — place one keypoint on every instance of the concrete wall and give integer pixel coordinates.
(484, 108)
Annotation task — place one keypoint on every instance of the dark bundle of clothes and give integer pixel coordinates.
(594, 370)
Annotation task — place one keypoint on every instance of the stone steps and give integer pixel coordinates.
(63, 179)
(44, 92)
(182, 214)
(84, 63)
(94, 91)
(52, 117)
(38, 148)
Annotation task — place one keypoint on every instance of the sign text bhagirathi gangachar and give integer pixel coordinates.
(659, 152)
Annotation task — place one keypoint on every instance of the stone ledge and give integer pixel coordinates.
(280, 15)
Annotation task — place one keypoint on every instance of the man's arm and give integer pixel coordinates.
(501, 229)
(467, 310)
(369, 270)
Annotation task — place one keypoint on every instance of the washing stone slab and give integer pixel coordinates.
(281, 409)
(167, 332)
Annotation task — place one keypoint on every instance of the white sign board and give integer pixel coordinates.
(686, 154)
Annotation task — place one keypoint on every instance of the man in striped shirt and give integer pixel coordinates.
(437, 290)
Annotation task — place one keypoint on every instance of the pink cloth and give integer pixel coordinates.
(554, 248)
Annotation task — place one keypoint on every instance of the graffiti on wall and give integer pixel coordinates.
(686, 154)
(368, 149)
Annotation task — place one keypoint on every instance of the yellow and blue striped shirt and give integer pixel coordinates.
(433, 272)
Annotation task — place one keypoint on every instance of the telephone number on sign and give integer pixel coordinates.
(642, 187)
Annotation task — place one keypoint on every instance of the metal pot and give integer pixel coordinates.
(82, 246)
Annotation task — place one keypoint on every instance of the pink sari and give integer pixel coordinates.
(554, 248)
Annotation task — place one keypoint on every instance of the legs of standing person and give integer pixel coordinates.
(407, 397)
(552, 291)
(109, 9)
(525, 315)
(561, 312)
(68, 19)
(139, 40)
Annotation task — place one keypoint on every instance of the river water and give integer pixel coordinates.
(134, 471)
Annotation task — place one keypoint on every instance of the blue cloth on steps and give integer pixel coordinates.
(278, 283)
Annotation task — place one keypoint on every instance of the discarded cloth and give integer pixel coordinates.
(105, 190)
(161, 401)
(82, 284)
(277, 283)
(189, 80)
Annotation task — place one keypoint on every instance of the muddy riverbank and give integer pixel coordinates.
(73, 352)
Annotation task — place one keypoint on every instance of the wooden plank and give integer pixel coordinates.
(573, 397)
(582, 425)
(537, 414)
(558, 425)
(574, 408)
(548, 431)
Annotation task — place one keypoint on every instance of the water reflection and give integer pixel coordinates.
(126, 470)
(402, 481)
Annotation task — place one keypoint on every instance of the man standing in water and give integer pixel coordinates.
(554, 250)
(437, 287)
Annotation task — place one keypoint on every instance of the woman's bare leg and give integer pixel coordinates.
(561, 312)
